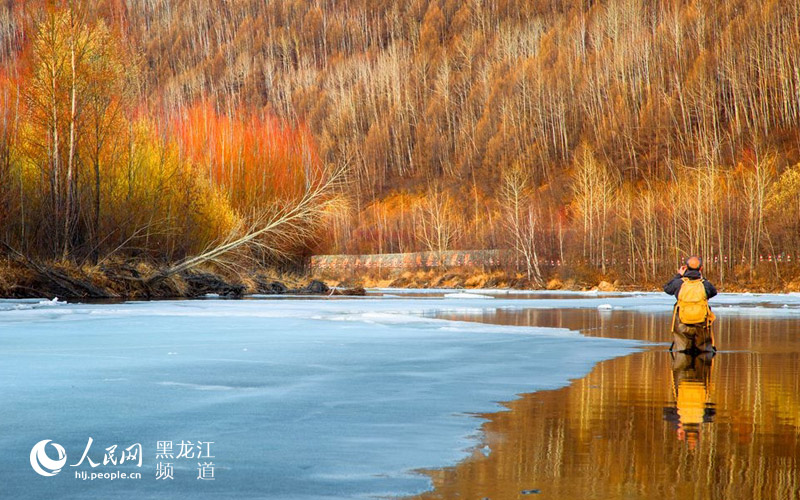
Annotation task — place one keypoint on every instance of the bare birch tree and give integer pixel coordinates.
(521, 220)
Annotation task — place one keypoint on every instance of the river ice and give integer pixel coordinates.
(302, 398)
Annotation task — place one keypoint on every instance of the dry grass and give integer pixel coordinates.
(763, 279)
(431, 278)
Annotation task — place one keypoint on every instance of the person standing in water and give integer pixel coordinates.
(691, 316)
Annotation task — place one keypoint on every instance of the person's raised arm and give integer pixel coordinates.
(671, 288)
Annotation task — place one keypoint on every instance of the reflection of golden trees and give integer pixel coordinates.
(604, 436)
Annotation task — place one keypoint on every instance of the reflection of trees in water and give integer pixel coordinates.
(731, 332)
(605, 435)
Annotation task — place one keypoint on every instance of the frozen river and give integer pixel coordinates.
(290, 398)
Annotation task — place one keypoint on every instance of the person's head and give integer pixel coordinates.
(692, 437)
(690, 434)
(694, 262)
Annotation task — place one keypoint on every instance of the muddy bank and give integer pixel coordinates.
(141, 280)
(144, 281)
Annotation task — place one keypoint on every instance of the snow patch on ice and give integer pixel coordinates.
(29, 304)
(466, 295)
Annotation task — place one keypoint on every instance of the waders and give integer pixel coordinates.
(698, 337)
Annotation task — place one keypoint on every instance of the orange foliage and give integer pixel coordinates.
(253, 158)
(670, 97)
(142, 184)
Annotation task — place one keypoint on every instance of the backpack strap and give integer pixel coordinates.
(674, 315)
(675, 307)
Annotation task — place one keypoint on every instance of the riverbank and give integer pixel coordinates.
(121, 280)
(763, 279)
(141, 280)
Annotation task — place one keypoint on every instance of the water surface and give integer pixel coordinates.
(302, 399)
(322, 399)
(651, 424)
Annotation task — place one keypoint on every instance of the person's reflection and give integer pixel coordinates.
(691, 375)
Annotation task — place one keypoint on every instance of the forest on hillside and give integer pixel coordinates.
(620, 135)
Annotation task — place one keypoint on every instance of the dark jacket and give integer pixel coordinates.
(674, 285)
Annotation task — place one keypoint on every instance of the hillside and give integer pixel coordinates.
(596, 133)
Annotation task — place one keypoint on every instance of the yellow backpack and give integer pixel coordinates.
(692, 302)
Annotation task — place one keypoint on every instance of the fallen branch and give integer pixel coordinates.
(281, 227)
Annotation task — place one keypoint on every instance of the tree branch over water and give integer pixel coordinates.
(276, 228)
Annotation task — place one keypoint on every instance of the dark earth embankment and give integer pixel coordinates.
(143, 281)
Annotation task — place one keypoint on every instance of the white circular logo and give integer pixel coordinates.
(43, 464)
